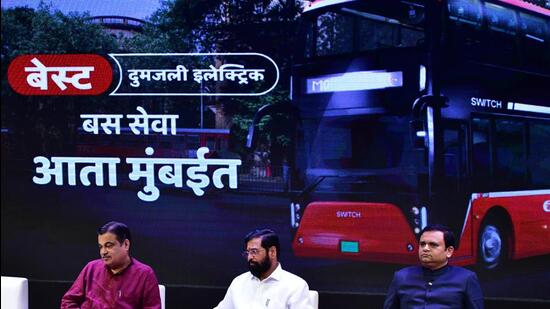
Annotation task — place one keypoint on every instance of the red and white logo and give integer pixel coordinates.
(73, 74)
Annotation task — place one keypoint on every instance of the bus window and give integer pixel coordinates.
(338, 155)
(334, 34)
(533, 28)
(411, 38)
(534, 41)
(375, 34)
(455, 152)
(481, 163)
(465, 21)
(539, 154)
(346, 143)
(374, 152)
(500, 19)
(362, 26)
(500, 43)
(510, 156)
(466, 12)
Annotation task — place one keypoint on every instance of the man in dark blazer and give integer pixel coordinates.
(434, 284)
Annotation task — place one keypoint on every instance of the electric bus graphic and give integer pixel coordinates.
(415, 112)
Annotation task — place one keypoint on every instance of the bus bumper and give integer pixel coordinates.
(374, 232)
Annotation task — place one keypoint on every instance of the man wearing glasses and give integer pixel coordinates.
(267, 285)
(117, 280)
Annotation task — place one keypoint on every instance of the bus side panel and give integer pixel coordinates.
(530, 221)
(375, 232)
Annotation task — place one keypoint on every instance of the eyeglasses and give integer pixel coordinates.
(254, 252)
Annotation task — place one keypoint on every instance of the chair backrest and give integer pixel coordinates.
(162, 291)
(15, 293)
(314, 297)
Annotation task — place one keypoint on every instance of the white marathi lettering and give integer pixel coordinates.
(179, 74)
(197, 182)
(140, 121)
(171, 173)
(97, 168)
(91, 123)
(159, 123)
(39, 76)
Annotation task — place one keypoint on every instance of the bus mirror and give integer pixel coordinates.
(417, 133)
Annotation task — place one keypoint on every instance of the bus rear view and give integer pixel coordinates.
(362, 69)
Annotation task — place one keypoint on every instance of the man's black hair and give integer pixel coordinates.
(448, 235)
(121, 230)
(269, 239)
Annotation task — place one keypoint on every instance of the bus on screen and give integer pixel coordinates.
(400, 124)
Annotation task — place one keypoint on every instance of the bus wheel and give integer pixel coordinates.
(493, 245)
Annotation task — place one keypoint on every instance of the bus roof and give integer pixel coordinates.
(317, 4)
(528, 6)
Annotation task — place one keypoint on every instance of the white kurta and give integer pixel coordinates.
(281, 290)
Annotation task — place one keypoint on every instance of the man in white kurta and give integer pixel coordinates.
(267, 284)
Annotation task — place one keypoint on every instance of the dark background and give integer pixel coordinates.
(193, 243)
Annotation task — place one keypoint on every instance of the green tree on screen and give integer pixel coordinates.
(49, 120)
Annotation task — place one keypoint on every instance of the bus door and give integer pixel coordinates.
(452, 208)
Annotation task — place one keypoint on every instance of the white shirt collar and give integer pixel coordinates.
(275, 275)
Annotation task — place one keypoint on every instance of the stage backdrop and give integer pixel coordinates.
(145, 121)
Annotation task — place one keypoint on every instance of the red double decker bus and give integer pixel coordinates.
(414, 112)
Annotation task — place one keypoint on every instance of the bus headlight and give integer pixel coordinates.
(419, 218)
(294, 215)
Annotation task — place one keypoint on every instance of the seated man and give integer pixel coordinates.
(267, 285)
(116, 280)
(435, 284)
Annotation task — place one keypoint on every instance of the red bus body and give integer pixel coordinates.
(326, 224)
(384, 235)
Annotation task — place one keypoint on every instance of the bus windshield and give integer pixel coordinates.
(372, 151)
(361, 26)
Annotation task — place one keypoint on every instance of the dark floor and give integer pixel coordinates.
(44, 295)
